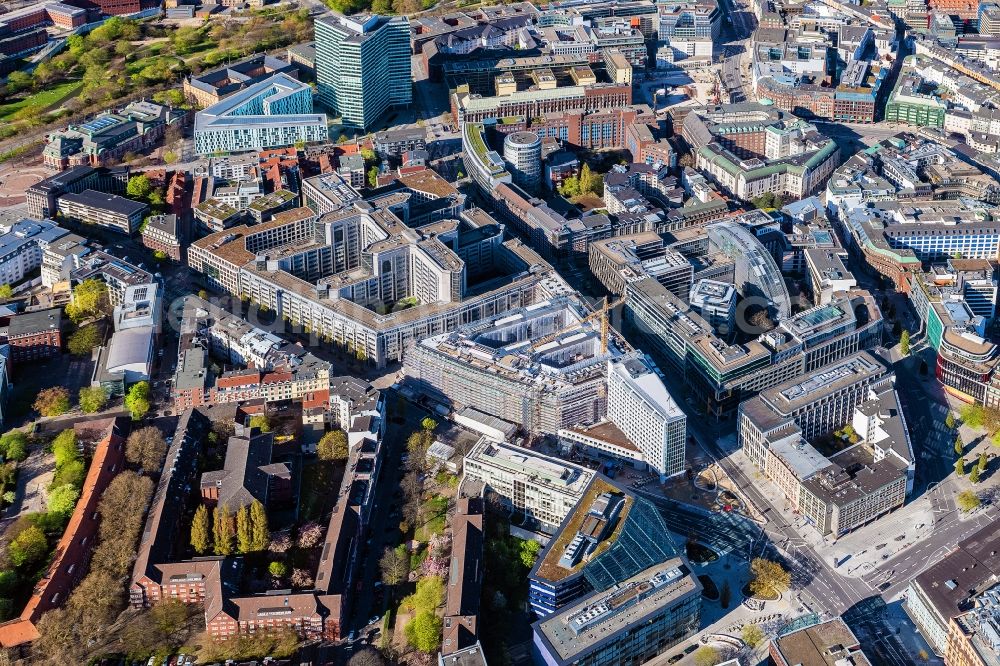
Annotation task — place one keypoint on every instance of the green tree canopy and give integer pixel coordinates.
(333, 446)
(63, 499)
(260, 533)
(904, 343)
(261, 422)
(29, 547)
(968, 500)
(90, 299)
(82, 341)
(14, 445)
(277, 569)
(6, 291)
(770, 579)
(201, 539)
(92, 399)
(243, 530)
(395, 566)
(423, 632)
(137, 400)
(139, 187)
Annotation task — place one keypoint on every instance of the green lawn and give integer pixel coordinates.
(42, 99)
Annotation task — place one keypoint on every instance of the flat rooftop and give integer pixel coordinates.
(603, 616)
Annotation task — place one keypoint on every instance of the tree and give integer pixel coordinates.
(52, 401)
(137, 400)
(64, 448)
(428, 595)
(261, 422)
(752, 634)
(6, 291)
(959, 446)
(428, 424)
(770, 579)
(260, 533)
(529, 551)
(983, 462)
(89, 299)
(202, 294)
(62, 500)
(368, 656)
(968, 501)
(706, 655)
(16, 448)
(423, 632)
(960, 467)
(949, 420)
(139, 187)
(586, 179)
(243, 530)
(201, 539)
(169, 616)
(373, 177)
(904, 343)
(974, 475)
(570, 186)
(333, 446)
(92, 399)
(145, 448)
(222, 530)
(395, 566)
(29, 547)
(277, 569)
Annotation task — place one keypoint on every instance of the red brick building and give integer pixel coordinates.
(35, 335)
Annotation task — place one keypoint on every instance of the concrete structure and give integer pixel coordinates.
(211, 87)
(363, 66)
(948, 589)
(523, 153)
(716, 302)
(273, 113)
(544, 489)
(831, 643)
(647, 414)
(108, 211)
(636, 620)
(107, 137)
(22, 246)
(869, 474)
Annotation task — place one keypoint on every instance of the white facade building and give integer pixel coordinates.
(639, 404)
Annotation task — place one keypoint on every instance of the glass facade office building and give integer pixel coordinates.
(363, 66)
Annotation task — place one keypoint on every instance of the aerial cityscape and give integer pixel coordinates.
(519, 333)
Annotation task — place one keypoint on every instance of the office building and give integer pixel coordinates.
(619, 260)
(42, 197)
(106, 138)
(363, 66)
(720, 374)
(830, 643)
(871, 472)
(523, 153)
(909, 102)
(23, 245)
(544, 489)
(162, 233)
(610, 536)
(211, 87)
(541, 366)
(716, 302)
(974, 637)
(633, 622)
(108, 211)
(642, 408)
(273, 113)
(948, 588)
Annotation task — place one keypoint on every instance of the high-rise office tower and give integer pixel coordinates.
(363, 66)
